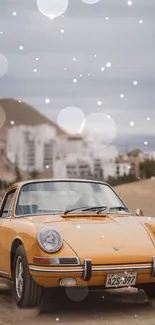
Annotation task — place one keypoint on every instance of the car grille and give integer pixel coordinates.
(68, 261)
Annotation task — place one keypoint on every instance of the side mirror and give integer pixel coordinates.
(139, 213)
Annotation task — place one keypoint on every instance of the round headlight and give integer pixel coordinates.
(50, 240)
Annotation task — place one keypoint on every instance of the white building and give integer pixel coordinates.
(37, 148)
(149, 155)
(115, 169)
(88, 167)
(31, 148)
(72, 166)
(70, 145)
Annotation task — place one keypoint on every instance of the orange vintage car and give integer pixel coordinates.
(72, 233)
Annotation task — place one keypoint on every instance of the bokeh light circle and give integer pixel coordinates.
(71, 119)
(100, 128)
(77, 294)
(3, 65)
(2, 117)
(52, 8)
(90, 2)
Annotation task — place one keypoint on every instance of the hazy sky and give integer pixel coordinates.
(126, 39)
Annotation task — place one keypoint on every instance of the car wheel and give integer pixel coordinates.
(27, 293)
(149, 290)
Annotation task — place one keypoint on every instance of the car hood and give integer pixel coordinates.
(105, 239)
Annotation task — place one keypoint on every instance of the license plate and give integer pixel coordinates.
(121, 280)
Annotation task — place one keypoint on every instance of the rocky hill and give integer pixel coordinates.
(22, 114)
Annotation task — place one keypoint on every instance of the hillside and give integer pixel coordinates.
(21, 114)
(25, 114)
(139, 195)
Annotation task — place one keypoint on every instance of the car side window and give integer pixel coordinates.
(7, 204)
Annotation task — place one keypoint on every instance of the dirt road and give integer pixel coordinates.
(139, 195)
(109, 308)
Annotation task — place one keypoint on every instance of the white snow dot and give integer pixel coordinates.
(145, 143)
(12, 122)
(21, 47)
(141, 21)
(75, 80)
(135, 82)
(107, 18)
(108, 116)
(47, 100)
(108, 64)
(129, 3)
(99, 103)
(34, 70)
(74, 59)
(14, 13)
(102, 69)
(37, 59)
(132, 123)
(122, 95)
(148, 118)
(62, 31)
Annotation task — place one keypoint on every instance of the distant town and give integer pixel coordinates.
(35, 150)
(43, 150)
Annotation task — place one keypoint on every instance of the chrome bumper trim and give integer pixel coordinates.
(49, 270)
(87, 270)
(153, 270)
(94, 269)
(124, 268)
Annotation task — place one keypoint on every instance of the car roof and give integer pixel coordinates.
(20, 184)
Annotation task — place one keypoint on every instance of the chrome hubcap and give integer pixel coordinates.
(19, 277)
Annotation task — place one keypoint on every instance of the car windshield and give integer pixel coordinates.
(59, 196)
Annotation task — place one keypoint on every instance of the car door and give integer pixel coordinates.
(5, 214)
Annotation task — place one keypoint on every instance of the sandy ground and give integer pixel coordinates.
(116, 307)
(139, 195)
(108, 308)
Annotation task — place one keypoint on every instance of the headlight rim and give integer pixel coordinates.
(43, 248)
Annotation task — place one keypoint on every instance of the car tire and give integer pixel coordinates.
(27, 293)
(149, 290)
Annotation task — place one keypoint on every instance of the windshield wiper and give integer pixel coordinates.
(120, 208)
(98, 208)
(93, 208)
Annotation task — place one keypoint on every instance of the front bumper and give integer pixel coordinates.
(88, 271)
